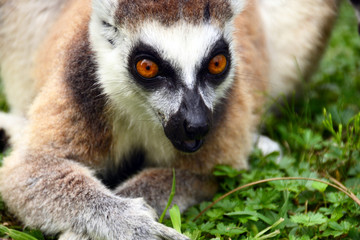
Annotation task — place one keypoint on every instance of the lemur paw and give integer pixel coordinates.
(142, 219)
(124, 218)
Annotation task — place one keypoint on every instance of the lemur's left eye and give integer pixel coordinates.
(147, 68)
(217, 64)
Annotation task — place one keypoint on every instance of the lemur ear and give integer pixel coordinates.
(104, 8)
(238, 5)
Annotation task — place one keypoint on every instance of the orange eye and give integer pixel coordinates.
(217, 64)
(147, 68)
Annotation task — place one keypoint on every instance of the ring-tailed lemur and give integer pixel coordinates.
(124, 91)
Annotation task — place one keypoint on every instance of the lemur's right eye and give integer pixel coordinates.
(147, 68)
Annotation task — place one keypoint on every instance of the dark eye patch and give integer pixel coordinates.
(167, 75)
(221, 47)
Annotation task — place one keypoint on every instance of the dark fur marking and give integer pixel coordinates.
(82, 80)
(207, 13)
(110, 28)
(111, 41)
(88, 95)
(4, 140)
(112, 176)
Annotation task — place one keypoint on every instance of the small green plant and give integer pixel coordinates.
(17, 235)
(261, 235)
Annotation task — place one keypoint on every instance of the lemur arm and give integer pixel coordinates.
(65, 193)
(60, 195)
(49, 183)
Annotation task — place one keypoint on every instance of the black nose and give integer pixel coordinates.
(187, 128)
(196, 129)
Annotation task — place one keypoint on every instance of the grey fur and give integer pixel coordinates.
(69, 197)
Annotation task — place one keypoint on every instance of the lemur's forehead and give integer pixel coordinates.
(168, 12)
(189, 45)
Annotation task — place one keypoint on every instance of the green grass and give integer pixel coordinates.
(320, 136)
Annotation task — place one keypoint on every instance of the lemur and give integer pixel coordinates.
(108, 96)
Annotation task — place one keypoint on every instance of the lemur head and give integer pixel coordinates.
(170, 61)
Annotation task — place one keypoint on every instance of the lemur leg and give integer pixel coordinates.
(60, 195)
(154, 185)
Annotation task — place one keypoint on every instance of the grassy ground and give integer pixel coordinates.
(320, 137)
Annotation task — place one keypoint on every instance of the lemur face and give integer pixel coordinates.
(183, 69)
(171, 67)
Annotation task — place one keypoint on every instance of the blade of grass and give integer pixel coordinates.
(261, 235)
(171, 196)
(16, 235)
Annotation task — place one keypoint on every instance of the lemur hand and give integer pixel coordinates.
(124, 219)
